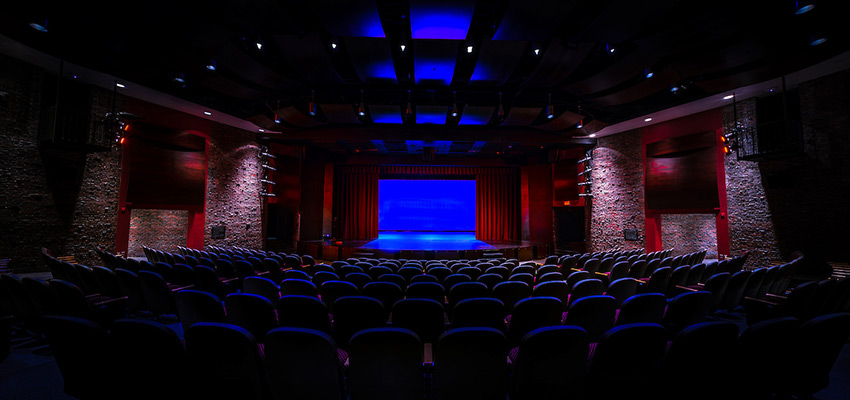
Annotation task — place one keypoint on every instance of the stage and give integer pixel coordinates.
(425, 246)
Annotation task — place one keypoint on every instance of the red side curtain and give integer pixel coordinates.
(497, 204)
(356, 202)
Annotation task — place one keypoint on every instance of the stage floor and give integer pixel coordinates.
(427, 241)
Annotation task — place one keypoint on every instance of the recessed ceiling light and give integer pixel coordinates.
(728, 97)
(536, 52)
(403, 47)
(262, 130)
(648, 74)
(211, 65)
(333, 45)
(259, 45)
(592, 135)
(121, 85)
(469, 49)
(207, 113)
(647, 119)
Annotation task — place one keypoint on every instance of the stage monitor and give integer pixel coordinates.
(426, 205)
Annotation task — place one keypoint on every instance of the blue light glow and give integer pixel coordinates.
(380, 70)
(444, 20)
(426, 205)
(430, 115)
(385, 114)
(431, 71)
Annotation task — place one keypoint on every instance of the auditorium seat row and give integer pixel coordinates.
(139, 359)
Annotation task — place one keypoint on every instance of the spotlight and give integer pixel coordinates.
(179, 79)
(647, 119)
(806, 7)
(361, 109)
(648, 74)
(408, 111)
(261, 130)
(276, 118)
(211, 65)
(259, 45)
(469, 49)
(580, 124)
(207, 113)
(454, 104)
(550, 109)
(610, 49)
(675, 89)
(592, 135)
(537, 52)
(403, 47)
(728, 97)
(120, 85)
(333, 45)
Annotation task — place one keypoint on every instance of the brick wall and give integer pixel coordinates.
(798, 202)
(688, 233)
(233, 188)
(618, 197)
(159, 229)
(750, 215)
(58, 199)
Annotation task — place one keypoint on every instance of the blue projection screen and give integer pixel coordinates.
(426, 205)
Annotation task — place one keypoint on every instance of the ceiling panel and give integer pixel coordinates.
(497, 60)
(372, 59)
(434, 61)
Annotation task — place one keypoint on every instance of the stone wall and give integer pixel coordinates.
(233, 187)
(618, 196)
(56, 198)
(689, 233)
(159, 229)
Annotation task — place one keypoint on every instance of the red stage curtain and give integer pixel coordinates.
(497, 204)
(356, 202)
(497, 197)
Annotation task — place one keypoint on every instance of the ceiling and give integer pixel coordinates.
(497, 64)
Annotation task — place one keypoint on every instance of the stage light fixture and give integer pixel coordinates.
(259, 45)
(276, 117)
(211, 65)
(647, 119)
(361, 108)
(729, 96)
(454, 104)
(580, 124)
(207, 113)
(311, 107)
(592, 135)
(408, 111)
(402, 48)
(648, 74)
(120, 85)
(550, 109)
(469, 49)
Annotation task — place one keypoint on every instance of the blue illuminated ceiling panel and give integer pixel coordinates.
(440, 19)
(385, 114)
(434, 61)
(372, 59)
(497, 61)
(350, 18)
(431, 114)
(476, 115)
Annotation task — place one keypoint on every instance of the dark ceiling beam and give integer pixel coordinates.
(373, 133)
